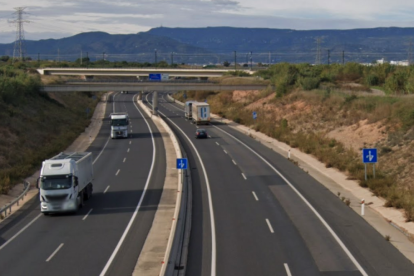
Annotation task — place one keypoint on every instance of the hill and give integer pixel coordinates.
(217, 44)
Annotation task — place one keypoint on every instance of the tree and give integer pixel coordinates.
(226, 64)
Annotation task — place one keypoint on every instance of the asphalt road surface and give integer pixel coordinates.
(106, 236)
(256, 213)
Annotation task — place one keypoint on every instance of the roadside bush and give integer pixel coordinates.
(309, 83)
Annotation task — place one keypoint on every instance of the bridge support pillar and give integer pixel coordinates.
(140, 95)
(155, 103)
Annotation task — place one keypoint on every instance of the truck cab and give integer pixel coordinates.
(119, 125)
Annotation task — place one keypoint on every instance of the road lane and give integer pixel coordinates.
(88, 243)
(294, 219)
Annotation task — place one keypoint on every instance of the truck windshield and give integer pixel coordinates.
(56, 182)
(119, 122)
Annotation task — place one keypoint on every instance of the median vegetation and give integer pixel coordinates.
(34, 125)
(314, 108)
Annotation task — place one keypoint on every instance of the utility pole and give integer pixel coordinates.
(19, 49)
(235, 61)
(329, 57)
(251, 60)
(81, 58)
(318, 51)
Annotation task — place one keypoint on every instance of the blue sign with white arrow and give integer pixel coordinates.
(182, 163)
(254, 115)
(369, 156)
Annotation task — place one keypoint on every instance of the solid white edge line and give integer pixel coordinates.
(117, 172)
(21, 231)
(54, 253)
(178, 203)
(87, 214)
(287, 270)
(245, 178)
(107, 188)
(105, 269)
(210, 201)
(255, 196)
(99, 155)
(330, 230)
(270, 226)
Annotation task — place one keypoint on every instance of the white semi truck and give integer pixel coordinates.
(119, 124)
(65, 182)
(200, 113)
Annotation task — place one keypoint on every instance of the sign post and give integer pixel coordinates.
(369, 156)
(182, 164)
(254, 115)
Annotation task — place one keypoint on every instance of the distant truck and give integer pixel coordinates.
(188, 113)
(119, 124)
(200, 113)
(65, 182)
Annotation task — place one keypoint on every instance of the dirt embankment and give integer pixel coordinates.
(353, 120)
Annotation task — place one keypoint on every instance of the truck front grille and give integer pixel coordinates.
(52, 198)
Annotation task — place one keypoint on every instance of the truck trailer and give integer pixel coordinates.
(65, 182)
(200, 113)
(119, 124)
(188, 109)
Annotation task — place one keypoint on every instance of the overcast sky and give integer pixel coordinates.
(62, 18)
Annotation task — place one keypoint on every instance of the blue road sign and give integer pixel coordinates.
(154, 77)
(182, 163)
(254, 115)
(369, 156)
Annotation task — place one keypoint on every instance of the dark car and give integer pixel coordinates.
(201, 133)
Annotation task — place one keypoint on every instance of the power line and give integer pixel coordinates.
(19, 49)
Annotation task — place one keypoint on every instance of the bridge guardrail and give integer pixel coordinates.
(8, 207)
(137, 81)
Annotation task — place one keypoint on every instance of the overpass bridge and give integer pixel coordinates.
(89, 73)
(146, 86)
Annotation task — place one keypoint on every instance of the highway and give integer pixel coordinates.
(106, 236)
(256, 213)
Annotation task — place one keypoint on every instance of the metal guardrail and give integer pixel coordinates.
(6, 210)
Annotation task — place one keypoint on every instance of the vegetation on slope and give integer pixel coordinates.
(34, 125)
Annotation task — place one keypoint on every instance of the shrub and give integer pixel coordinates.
(309, 83)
